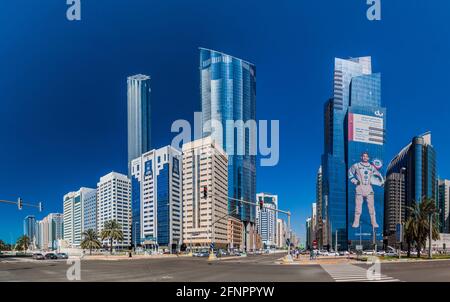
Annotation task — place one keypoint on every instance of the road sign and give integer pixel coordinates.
(359, 247)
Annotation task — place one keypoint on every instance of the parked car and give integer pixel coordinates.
(51, 256)
(203, 253)
(62, 256)
(38, 256)
(391, 254)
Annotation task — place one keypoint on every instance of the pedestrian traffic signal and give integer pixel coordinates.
(205, 192)
(19, 203)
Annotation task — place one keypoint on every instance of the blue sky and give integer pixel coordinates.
(63, 84)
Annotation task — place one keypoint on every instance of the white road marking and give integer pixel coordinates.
(351, 273)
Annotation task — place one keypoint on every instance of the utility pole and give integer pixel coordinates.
(336, 242)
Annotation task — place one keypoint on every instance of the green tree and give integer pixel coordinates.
(23, 243)
(90, 241)
(3, 246)
(417, 226)
(112, 230)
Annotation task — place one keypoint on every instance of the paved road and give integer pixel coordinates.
(252, 268)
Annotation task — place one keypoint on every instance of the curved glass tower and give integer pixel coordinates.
(228, 93)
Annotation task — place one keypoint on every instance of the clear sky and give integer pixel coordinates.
(63, 84)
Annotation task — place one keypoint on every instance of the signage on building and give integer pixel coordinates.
(366, 128)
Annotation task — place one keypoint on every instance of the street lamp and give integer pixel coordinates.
(135, 231)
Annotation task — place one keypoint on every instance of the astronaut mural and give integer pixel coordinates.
(364, 175)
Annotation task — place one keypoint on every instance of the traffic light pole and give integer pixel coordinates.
(288, 213)
(20, 204)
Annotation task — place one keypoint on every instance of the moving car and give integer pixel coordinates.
(51, 256)
(62, 256)
(38, 256)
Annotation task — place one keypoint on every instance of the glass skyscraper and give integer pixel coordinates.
(228, 93)
(417, 167)
(352, 163)
(29, 227)
(139, 117)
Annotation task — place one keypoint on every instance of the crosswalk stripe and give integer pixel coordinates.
(351, 273)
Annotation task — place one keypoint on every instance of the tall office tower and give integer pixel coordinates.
(76, 207)
(266, 219)
(308, 241)
(228, 93)
(415, 167)
(444, 205)
(205, 213)
(352, 163)
(281, 233)
(235, 233)
(394, 202)
(319, 220)
(139, 117)
(29, 228)
(50, 230)
(114, 204)
(156, 183)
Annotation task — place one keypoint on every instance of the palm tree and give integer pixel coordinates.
(112, 230)
(90, 241)
(23, 243)
(417, 227)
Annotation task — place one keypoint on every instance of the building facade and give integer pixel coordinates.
(281, 233)
(29, 228)
(114, 203)
(235, 234)
(415, 167)
(355, 123)
(444, 205)
(228, 93)
(320, 230)
(139, 117)
(205, 213)
(49, 231)
(266, 219)
(77, 211)
(157, 199)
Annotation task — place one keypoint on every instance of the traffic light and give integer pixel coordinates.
(349, 242)
(19, 203)
(40, 207)
(261, 204)
(205, 192)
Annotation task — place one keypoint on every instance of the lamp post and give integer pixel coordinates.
(400, 214)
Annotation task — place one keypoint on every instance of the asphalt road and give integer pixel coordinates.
(183, 269)
(262, 268)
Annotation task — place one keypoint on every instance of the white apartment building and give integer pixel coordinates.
(156, 180)
(205, 220)
(114, 203)
(266, 219)
(75, 214)
(49, 230)
(281, 233)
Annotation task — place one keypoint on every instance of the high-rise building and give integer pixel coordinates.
(139, 117)
(114, 204)
(49, 231)
(352, 163)
(228, 93)
(77, 214)
(319, 221)
(308, 242)
(29, 228)
(235, 233)
(266, 219)
(205, 208)
(281, 233)
(156, 183)
(444, 205)
(411, 176)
